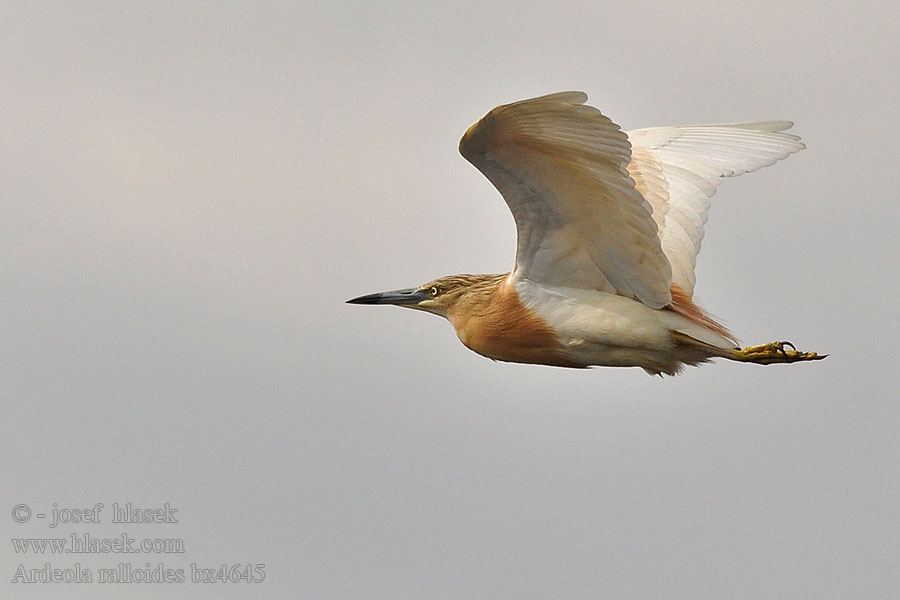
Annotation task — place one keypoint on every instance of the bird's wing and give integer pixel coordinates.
(677, 169)
(561, 166)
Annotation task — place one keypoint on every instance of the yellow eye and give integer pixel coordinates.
(433, 291)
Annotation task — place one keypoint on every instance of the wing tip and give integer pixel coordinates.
(773, 125)
(568, 97)
(474, 137)
(573, 97)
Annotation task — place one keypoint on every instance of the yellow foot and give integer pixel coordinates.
(774, 352)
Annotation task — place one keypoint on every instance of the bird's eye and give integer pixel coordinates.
(433, 291)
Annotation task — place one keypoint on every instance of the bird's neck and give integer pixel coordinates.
(479, 297)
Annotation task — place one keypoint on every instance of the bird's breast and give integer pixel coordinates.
(503, 328)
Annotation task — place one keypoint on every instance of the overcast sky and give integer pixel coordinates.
(190, 192)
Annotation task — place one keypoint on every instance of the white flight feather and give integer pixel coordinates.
(677, 169)
(562, 169)
(600, 209)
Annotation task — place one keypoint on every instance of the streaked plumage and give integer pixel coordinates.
(609, 224)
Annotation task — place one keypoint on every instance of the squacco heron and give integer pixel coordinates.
(609, 224)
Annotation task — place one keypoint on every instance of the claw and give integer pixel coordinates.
(780, 347)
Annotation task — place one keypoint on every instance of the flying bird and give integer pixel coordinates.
(609, 224)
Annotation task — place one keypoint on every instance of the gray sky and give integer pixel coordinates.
(188, 194)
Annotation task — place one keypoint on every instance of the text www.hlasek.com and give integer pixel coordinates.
(88, 544)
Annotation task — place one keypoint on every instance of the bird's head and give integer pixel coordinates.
(440, 296)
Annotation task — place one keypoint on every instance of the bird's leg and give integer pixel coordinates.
(774, 352)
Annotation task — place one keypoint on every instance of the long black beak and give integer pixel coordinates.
(398, 297)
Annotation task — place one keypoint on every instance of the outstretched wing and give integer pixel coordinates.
(561, 166)
(677, 169)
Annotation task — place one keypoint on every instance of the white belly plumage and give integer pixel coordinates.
(599, 328)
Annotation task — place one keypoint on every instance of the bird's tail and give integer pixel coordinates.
(699, 338)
